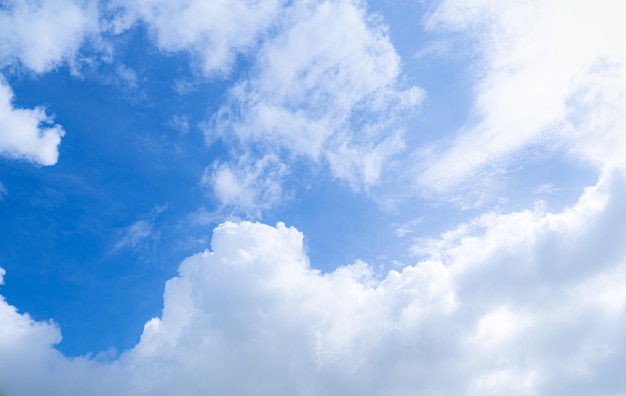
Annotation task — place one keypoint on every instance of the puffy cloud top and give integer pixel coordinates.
(506, 304)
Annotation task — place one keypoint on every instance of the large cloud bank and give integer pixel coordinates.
(522, 303)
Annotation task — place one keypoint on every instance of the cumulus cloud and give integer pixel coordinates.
(552, 73)
(504, 304)
(27, 133)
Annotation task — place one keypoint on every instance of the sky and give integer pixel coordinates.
(307, 197)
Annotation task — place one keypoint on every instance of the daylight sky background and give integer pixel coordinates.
(312, 197)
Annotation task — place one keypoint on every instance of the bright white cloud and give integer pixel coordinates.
(505, 304)
(38, 35)
(553, 73)
(29, 365)
(27, 133)
(42, 34)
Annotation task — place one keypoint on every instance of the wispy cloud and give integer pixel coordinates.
(3, 191)
(552, 74)
(136, 235)
(335, 100)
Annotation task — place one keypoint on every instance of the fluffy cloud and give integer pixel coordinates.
(505, 304)
(553, 74)
(508, 303)
(27, 133)
(38, 35)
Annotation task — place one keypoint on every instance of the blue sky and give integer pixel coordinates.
(312, 197)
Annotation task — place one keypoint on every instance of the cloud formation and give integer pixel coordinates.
(38, 36)
(43, 34)
(505, 304)
(553, 74)
(334, 99)
(523, 303)
(27, 133)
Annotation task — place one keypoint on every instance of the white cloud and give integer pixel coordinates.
(326, 86)
(136, 235)
(503, 306)
(553, 74)
(506, 304)
(214, 32)
(38, 35)
(42, 34)
(27, 133)
(247, 187)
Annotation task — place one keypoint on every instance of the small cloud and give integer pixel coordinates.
(3, 191)
(180, 123)
(183, 87)
(409, 227)
(127, 75)
(436, 49)
(137, 234)
(27, 134)
(248, 187)
(545, 189)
